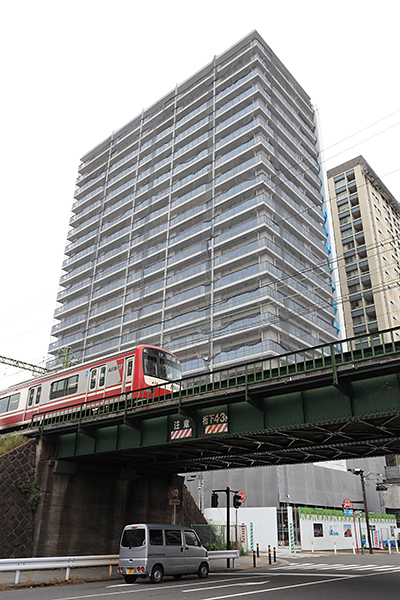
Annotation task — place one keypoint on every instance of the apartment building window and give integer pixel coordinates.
(352, 274)
(348, 246)
(339, 181)
(344, 220)
(359, 320)
(354, 288)
(346, 232)
(350, 259)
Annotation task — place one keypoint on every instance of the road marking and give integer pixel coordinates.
(218, 587)
(337, 566)
(283, 587)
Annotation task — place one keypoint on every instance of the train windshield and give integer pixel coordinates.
(161, 364)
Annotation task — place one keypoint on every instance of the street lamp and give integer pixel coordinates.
(360, 472)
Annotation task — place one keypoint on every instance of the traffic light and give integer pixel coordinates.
(214, 500)
(236, 501)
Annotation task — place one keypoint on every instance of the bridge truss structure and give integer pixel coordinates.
(330, 402)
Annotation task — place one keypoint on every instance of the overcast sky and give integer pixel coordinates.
(74, 71)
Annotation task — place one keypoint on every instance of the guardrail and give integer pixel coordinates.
(71, 562)
(221, 554)
(331, 356)
(59, 562)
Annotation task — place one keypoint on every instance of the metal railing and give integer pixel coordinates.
(330, 357)
(59, 562)
(73, 562)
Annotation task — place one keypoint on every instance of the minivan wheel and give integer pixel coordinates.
(203, 570)
(130, 578)
(157, 574)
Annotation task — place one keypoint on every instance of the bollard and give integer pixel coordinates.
(274, 554)
(258, 551)
(254, 558)
(397, 546)
(354, 549)
(389, 547)
(334, 545)
(269, 554)
(312, 547)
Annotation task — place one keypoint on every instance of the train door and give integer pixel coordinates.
(129, 371)
(33, 400)
(96, 382)
(34, 397)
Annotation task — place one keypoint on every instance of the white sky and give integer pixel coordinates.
(74, 71)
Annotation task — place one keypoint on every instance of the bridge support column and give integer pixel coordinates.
(83, 507)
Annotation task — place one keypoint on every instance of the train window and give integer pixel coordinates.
(102, 378)
(30, 397)
(93, 379)
(72, 384)
(14, 401)
(4, 404)
(130, 368)
(64, 387)
(38, 393)
(57, 389)
(150, 366)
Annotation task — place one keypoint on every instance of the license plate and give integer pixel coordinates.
(130, 571)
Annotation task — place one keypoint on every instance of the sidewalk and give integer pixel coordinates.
(49, 577)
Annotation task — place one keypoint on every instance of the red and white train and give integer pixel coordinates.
(109, 376)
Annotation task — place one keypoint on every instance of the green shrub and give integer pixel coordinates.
(31, 490)
(9, 442)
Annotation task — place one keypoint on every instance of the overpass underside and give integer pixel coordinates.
(281, 410)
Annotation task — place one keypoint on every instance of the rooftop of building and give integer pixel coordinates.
(166, 100)
(370, 173)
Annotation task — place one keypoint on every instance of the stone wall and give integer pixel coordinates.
(16, 519)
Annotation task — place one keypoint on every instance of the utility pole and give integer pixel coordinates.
(366, 510)
(360, 472)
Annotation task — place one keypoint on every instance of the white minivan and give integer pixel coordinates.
(158, 550)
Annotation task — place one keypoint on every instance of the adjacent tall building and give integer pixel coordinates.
(366, 224)
(199, 225)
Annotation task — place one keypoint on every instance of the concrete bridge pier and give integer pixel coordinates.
(83, 507)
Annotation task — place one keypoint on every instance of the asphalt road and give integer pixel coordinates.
(301, 578)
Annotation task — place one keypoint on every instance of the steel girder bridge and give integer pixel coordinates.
(329, 402)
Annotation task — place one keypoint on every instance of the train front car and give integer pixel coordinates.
(159, 369)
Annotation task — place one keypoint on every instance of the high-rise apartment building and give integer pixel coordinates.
(366, 224)
(199, 226)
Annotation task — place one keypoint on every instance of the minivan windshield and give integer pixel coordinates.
(132, 538)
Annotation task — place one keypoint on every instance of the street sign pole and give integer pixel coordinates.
(228, 523)
(355, 530)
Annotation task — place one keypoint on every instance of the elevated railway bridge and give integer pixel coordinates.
(329, 402)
